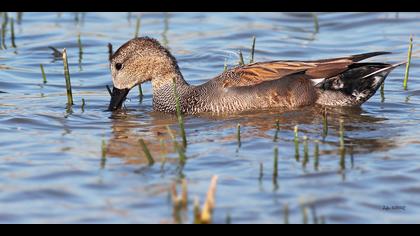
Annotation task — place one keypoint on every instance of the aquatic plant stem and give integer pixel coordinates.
(177, 147)
(238, 135)
(12, 32)
(252, 49)
(3, 36)
(83, 104)
(261, 172)
(79, 43)
(276, 134)
(140, 94)
(341, 132)
(316, 155)
(407, 67)
(342, 149)
(296, 141)
(180, 116)
(44, 77)
(110, 52)
(67, 77)
(305, 151)
(241, 58)
(324, 124)
(276, 162)
(147, 152)
(136, 34)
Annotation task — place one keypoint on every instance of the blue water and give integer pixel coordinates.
(51, 165)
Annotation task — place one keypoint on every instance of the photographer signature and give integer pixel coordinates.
(393, 207)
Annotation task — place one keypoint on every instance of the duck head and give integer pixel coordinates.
(137, 61)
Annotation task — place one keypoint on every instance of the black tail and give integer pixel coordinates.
(358, 84)
(360, 57)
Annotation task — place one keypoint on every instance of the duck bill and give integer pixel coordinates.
(118, 97)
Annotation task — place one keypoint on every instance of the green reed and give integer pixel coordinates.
(12, 32)
(316, 23)
(305, 151)
(110, 52)
(147, 152)
(276, 134)
(103, 148)
(276, 162)
(178, 148)
(136, 34)
(225, 67)
(83, 105)
(140, 94)
(238, 135)
(407, 67)
(261, 171)
(241, 58)
(253, 49)
(67, 77)
(324, 124)
(342, 149)
(181, 154)
(44, 77)
(3, 36)
(341, 133)
(5, 18)
(316, 155)
(296, 141)
(165, 30)
(180, 116)
(79, 44)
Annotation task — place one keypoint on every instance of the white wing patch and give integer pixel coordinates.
(315, 82)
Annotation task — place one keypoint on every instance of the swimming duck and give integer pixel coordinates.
(273, 84)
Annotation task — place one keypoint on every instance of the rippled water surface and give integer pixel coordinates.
(51, 164)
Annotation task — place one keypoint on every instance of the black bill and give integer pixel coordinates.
(118, 97)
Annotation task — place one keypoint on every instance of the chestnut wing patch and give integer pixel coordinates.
(257, 73)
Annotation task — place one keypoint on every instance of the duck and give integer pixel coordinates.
(277, 84)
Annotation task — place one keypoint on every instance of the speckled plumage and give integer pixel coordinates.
(282, 84)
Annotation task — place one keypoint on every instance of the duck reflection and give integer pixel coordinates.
(364, 133)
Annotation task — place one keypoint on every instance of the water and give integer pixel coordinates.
(51, 165)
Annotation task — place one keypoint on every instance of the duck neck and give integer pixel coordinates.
(163, 91)
(167, 80)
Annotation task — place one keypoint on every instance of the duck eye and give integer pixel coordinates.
(118, 66)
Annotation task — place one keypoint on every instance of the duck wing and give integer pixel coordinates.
(256, 73)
